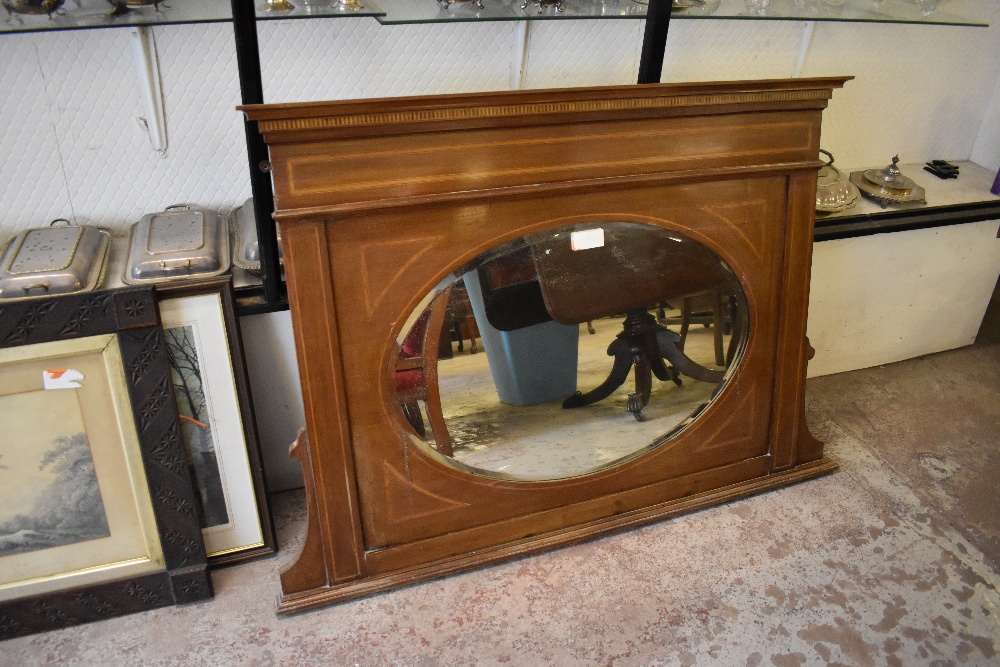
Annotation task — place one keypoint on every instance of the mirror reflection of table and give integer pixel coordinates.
(628, 270)
(632, 270)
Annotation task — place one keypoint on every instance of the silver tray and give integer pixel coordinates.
(54, 260)
(886, 196)
(181, 242)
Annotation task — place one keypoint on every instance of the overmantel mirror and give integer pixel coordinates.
(630, 266)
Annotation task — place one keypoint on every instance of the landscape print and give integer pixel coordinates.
(49, 492)
(196, 422)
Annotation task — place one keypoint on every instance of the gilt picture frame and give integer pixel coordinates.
(212, 391)
(99, 516)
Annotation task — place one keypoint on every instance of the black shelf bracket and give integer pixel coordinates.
(252, 92)
(654, 40)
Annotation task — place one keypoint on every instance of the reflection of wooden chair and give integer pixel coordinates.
(461, 319)
(715, 308)
(417, 376)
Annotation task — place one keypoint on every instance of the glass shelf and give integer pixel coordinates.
(431, 11)
(303, 9)
(928, 12)
(89, 14)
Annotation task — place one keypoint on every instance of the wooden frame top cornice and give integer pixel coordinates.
(332, 158)
(303, 121)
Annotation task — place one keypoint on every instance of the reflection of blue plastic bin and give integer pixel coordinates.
(530, 365)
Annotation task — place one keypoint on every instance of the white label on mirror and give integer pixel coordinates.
(587, 239)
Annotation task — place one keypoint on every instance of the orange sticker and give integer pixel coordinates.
(62, 378)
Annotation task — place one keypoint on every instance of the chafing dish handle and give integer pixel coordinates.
(177, 265)
(39, 286)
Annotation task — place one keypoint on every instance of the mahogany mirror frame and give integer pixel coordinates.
(380, 200)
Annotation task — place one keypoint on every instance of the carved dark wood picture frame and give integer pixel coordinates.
(131, 316)
(223, 289)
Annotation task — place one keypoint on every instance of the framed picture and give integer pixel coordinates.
(217, 423)
(98, 515)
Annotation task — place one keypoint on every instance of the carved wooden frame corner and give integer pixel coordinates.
(131, 315)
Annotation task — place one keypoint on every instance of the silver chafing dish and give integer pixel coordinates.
(133, 4)
(179, 243)
(54, 260)
(246, 249)
(834, 193)
(32, 6)
(888, 185)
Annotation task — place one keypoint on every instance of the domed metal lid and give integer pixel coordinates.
(888, 186)
(833, 191)
(890, 178)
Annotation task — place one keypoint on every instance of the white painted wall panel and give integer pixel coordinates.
(888, 297)
(583, 53)
(73, 146)
(986, 150)
(730, 50)
(112, 174)
(269, 347)
(919, 91)
(33, 185)
(83, 154)
(357, 58)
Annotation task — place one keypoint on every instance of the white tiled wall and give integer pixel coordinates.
(986, 150)
(33, 183)
(730, 50)
(71, 145)
(582, 53)
(358, 58)
(920, 91)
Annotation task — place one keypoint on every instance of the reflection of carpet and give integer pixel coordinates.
(544, 441)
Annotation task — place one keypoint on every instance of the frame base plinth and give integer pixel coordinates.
(306, 600)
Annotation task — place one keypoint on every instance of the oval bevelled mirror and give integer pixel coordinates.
(571, 350)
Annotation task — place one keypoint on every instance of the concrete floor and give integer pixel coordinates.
(890, 561)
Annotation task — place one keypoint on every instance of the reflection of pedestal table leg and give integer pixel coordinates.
(645, 344)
